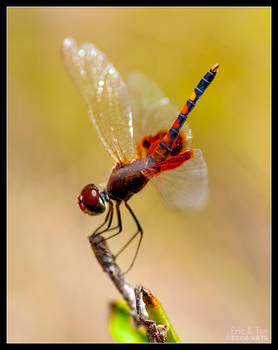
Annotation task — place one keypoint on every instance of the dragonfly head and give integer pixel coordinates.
(91, 201)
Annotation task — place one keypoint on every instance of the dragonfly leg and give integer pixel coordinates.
(139, 231)
(108, 218)
(118, 226)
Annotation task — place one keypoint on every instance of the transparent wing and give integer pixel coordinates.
(105, 94)
(151, 109)
(186, 187)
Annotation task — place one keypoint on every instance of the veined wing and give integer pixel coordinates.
(186, 187)
(151, 109)
(105, 94)
(183, 188)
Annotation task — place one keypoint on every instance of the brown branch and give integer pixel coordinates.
(108, 264)
(155, 333)
(133, 297)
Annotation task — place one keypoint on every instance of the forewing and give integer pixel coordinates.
(105, 94)
(151, 109)
(186, 187)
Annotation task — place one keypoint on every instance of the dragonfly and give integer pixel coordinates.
(146, 135)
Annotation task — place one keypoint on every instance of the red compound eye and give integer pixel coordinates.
(90, 200)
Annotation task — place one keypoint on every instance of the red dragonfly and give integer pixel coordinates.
(141, 130)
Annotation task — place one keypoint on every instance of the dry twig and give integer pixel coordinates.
(107, 261)
(155, 333)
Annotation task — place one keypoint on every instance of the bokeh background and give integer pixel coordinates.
(210, 269)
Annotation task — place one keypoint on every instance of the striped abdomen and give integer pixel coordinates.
(166, 145)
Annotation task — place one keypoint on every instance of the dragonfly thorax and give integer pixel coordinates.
(127, 180)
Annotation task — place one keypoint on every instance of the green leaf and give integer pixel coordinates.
(157, 313)
(120, 326)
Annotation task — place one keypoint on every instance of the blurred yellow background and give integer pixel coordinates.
(210, 269)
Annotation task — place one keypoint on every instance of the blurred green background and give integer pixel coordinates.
(210, 269)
